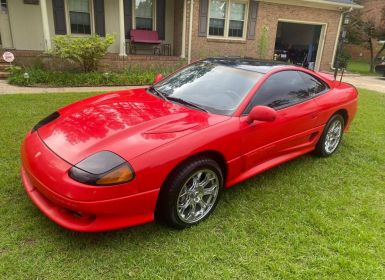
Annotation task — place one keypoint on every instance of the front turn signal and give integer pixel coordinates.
(119, 175)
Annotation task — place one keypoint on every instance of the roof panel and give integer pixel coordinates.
(249, 64)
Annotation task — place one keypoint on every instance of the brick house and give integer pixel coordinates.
(193, 29)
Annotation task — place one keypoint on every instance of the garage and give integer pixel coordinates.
(300, 43)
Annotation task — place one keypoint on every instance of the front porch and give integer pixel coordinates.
(111, 62)
(116, 62)
(85, 17)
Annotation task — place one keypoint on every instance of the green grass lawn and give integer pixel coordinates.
(311, 218)
(360, 67)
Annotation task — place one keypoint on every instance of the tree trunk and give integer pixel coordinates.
(371, 55)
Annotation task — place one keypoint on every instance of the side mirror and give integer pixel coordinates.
(262, 113)
(158, 78)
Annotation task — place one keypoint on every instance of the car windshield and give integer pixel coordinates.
(212, 87)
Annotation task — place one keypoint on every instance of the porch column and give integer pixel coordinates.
(184, 24)
(44, 17)
(122, 36)
(190, 31)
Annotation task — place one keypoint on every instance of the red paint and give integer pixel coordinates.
(262, 113)
(158, 78)
(154, 136)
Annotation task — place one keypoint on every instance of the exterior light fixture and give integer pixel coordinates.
(347, 19)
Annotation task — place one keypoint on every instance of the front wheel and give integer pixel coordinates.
(192, 193)
(331, 137)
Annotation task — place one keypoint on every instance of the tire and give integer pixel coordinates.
(330, 140)
(181, 192)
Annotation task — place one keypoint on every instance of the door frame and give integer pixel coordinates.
(321, 43)
(5, 29)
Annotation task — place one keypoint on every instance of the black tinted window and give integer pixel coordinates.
(313, 85)
(281, 90)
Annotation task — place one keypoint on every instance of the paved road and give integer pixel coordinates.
(5, 88)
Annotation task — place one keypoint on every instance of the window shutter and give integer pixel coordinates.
(100, 27)
(161, 19)
(253, 12)
(59, 17)
(203, 14)
(127, 17)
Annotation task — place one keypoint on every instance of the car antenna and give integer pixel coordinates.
(342, 75)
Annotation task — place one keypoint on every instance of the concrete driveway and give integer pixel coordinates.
(368, 82)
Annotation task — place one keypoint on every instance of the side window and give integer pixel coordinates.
(281, 90)
(314, 86)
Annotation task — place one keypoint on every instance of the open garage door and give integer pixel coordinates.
(300, 43)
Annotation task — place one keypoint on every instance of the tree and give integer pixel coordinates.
(366, 30)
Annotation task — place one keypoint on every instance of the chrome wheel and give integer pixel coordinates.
(198, 196)
(333, 136)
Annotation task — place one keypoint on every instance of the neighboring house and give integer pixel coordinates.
(373, 10)
(193, 28)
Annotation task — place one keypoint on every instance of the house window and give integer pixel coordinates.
(79, 16)
(237, 19)
(217, 17)
(144, 14)
(227, 18)
(3, 5)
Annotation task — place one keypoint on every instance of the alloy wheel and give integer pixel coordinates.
(198, 196)
(333, 136)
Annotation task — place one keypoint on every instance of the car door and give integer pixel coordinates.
(318, 91)
(292, 130)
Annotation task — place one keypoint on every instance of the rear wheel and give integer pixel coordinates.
(331, 136)
(192, 193)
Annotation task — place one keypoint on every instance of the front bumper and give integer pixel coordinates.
(43, 173)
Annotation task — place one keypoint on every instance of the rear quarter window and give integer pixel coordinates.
(314, 85)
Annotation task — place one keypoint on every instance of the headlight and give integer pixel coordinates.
(102, 169)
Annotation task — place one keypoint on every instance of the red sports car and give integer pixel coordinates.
(125, 158)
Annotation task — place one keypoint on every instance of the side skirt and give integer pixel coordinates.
(267, 165)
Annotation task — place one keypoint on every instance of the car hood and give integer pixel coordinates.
(128, 123)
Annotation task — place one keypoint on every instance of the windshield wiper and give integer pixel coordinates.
(157, 92)
(185, 102)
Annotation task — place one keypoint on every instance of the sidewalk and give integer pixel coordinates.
(5, 88)
(375, 83)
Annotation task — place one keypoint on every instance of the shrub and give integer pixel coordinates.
(263, 43)
(342, 60)
(86, 51)
(39, 77)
